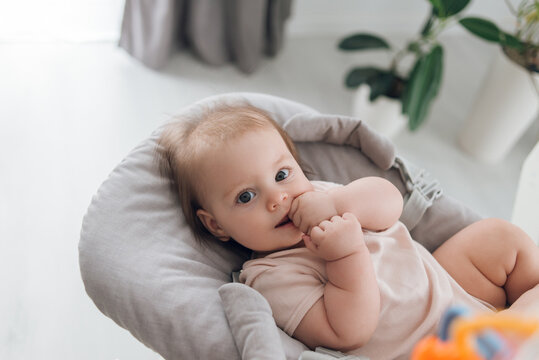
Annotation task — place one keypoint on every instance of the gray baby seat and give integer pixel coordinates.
(143, 268)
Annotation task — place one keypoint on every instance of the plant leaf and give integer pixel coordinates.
(422, 87)
(437, 7)
(358, 76)
(381, 84)
(363, 41)
(511, 41)
(428, 24)
(447, 8)
(483, 28)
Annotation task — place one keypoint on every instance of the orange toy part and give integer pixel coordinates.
(432, 348)
(460, 345)
(464, 329)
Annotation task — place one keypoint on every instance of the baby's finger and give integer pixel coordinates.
(293, 208)
(348, 216)
(298, 222)
(309, 243)
(316, 233)
(296, 218)
(324, 224)
(304, 227)
(336, 219)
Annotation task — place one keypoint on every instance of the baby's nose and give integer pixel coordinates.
(276, 200)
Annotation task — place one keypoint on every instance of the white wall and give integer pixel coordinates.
(60, 20)
(324, 17)
(100, 20)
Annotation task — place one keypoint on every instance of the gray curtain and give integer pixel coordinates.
(217, 31)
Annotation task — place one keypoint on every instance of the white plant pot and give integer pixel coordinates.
(506, 106)
(384, 115)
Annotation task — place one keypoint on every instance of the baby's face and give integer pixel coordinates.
(248, 187)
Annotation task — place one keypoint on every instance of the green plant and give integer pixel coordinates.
(417, 86)
(523, 46)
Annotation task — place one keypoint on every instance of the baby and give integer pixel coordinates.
(336, 266)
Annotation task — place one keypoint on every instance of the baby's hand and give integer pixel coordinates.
(310, 209)
(334, 239)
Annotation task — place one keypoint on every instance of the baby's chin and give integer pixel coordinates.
(300, 244)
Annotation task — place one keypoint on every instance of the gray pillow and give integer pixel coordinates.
(142, 267)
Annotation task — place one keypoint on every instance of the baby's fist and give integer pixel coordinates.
(336, 238)
(310, 209)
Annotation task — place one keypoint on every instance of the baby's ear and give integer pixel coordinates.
(211, 225)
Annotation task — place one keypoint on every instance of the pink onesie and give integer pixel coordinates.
(415, 290)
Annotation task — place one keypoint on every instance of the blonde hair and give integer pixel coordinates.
(183, 143)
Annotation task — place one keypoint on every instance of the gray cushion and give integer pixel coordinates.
(251, 322)
(142, 267)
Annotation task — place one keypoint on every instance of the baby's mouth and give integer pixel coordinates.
(285, 220)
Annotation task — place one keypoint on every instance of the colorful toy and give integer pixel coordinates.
(481, 337)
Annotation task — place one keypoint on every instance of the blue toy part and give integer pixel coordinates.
(489, 344)
(449, 315)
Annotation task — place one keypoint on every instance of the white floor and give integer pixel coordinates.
(70, 112)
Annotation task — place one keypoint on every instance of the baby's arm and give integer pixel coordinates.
(347, 315)
(376, 202)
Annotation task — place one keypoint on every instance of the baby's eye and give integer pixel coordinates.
(245, 197)
(281, 175)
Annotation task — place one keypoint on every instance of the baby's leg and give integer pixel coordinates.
(493, 260)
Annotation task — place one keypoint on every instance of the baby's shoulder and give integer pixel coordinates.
(320, 185)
